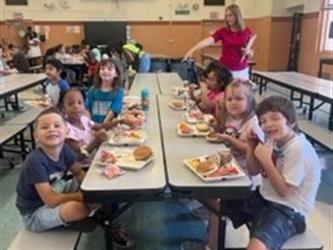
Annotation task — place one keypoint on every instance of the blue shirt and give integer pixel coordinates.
(39, 168)
(100, 103)
(56, 90)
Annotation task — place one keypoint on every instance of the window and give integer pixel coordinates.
(327, 33)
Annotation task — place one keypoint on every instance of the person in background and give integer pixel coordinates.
(137, 57)
(4, 68)
(97, 53)
(34, 45)
(93, 68)
(49, 54)
(235, 38)
(20, 62)
(61, 54)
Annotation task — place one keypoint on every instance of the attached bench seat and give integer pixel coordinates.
(7, 132)
(63, 239)
(239, 238)
(26, 117)
(316, 133)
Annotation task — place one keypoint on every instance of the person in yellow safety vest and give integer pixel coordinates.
(137, 57)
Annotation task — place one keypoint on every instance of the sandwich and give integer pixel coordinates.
(185, 128)
(177, 104)
(206, 168)
(142, 153)
(202, 127)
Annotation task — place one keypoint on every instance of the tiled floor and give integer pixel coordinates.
(163, 225)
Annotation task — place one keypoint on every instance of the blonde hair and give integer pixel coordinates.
(236, 11)
(250, 101)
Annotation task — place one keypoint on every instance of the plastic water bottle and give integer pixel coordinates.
(145, 99)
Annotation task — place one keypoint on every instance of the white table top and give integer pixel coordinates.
(179, 148)
(145, 80)
(149, 177)
(167, 81)
(305, 82)
(16, 82)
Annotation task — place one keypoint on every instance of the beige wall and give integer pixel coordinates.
(271, 21)
(153, 10)
(308, 5)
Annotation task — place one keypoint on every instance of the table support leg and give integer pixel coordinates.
(311, 108)
(330, 118)
(222, 227)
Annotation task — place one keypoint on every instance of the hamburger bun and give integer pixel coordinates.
(206, 168)
(202, 127)
(178, 104)
(142, 153)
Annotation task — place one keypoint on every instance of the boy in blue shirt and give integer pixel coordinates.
(45, 199)
(55, 86)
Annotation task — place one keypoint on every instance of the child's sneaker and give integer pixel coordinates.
(86, 225)
(120, 238)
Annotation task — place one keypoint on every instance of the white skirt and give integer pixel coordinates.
(241, 74)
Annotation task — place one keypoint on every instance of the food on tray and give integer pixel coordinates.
(137, 113)
(111, 171)
(142, 153)
(212, 136)
(195, 114)
(202, 127)
(214, 158)
(134, 135)
(185, 128)
(215, 167)
(195, 162)
(224, 171)
(134, 121)
(177, 104)
(226, 157)
(107, 157)
(206, 168)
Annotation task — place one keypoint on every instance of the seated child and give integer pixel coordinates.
(237, 117)
(105, 97)
(291, 175)
(212, 89)
(55, 86)
(84, 135)
(45, 199)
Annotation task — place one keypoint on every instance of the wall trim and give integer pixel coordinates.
(311, 15)
(281, 18)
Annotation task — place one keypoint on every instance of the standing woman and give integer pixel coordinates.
(34, 45)
(234, 37)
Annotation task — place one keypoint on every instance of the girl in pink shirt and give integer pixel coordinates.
(234, 37)
(216, 78)
(84, 136)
